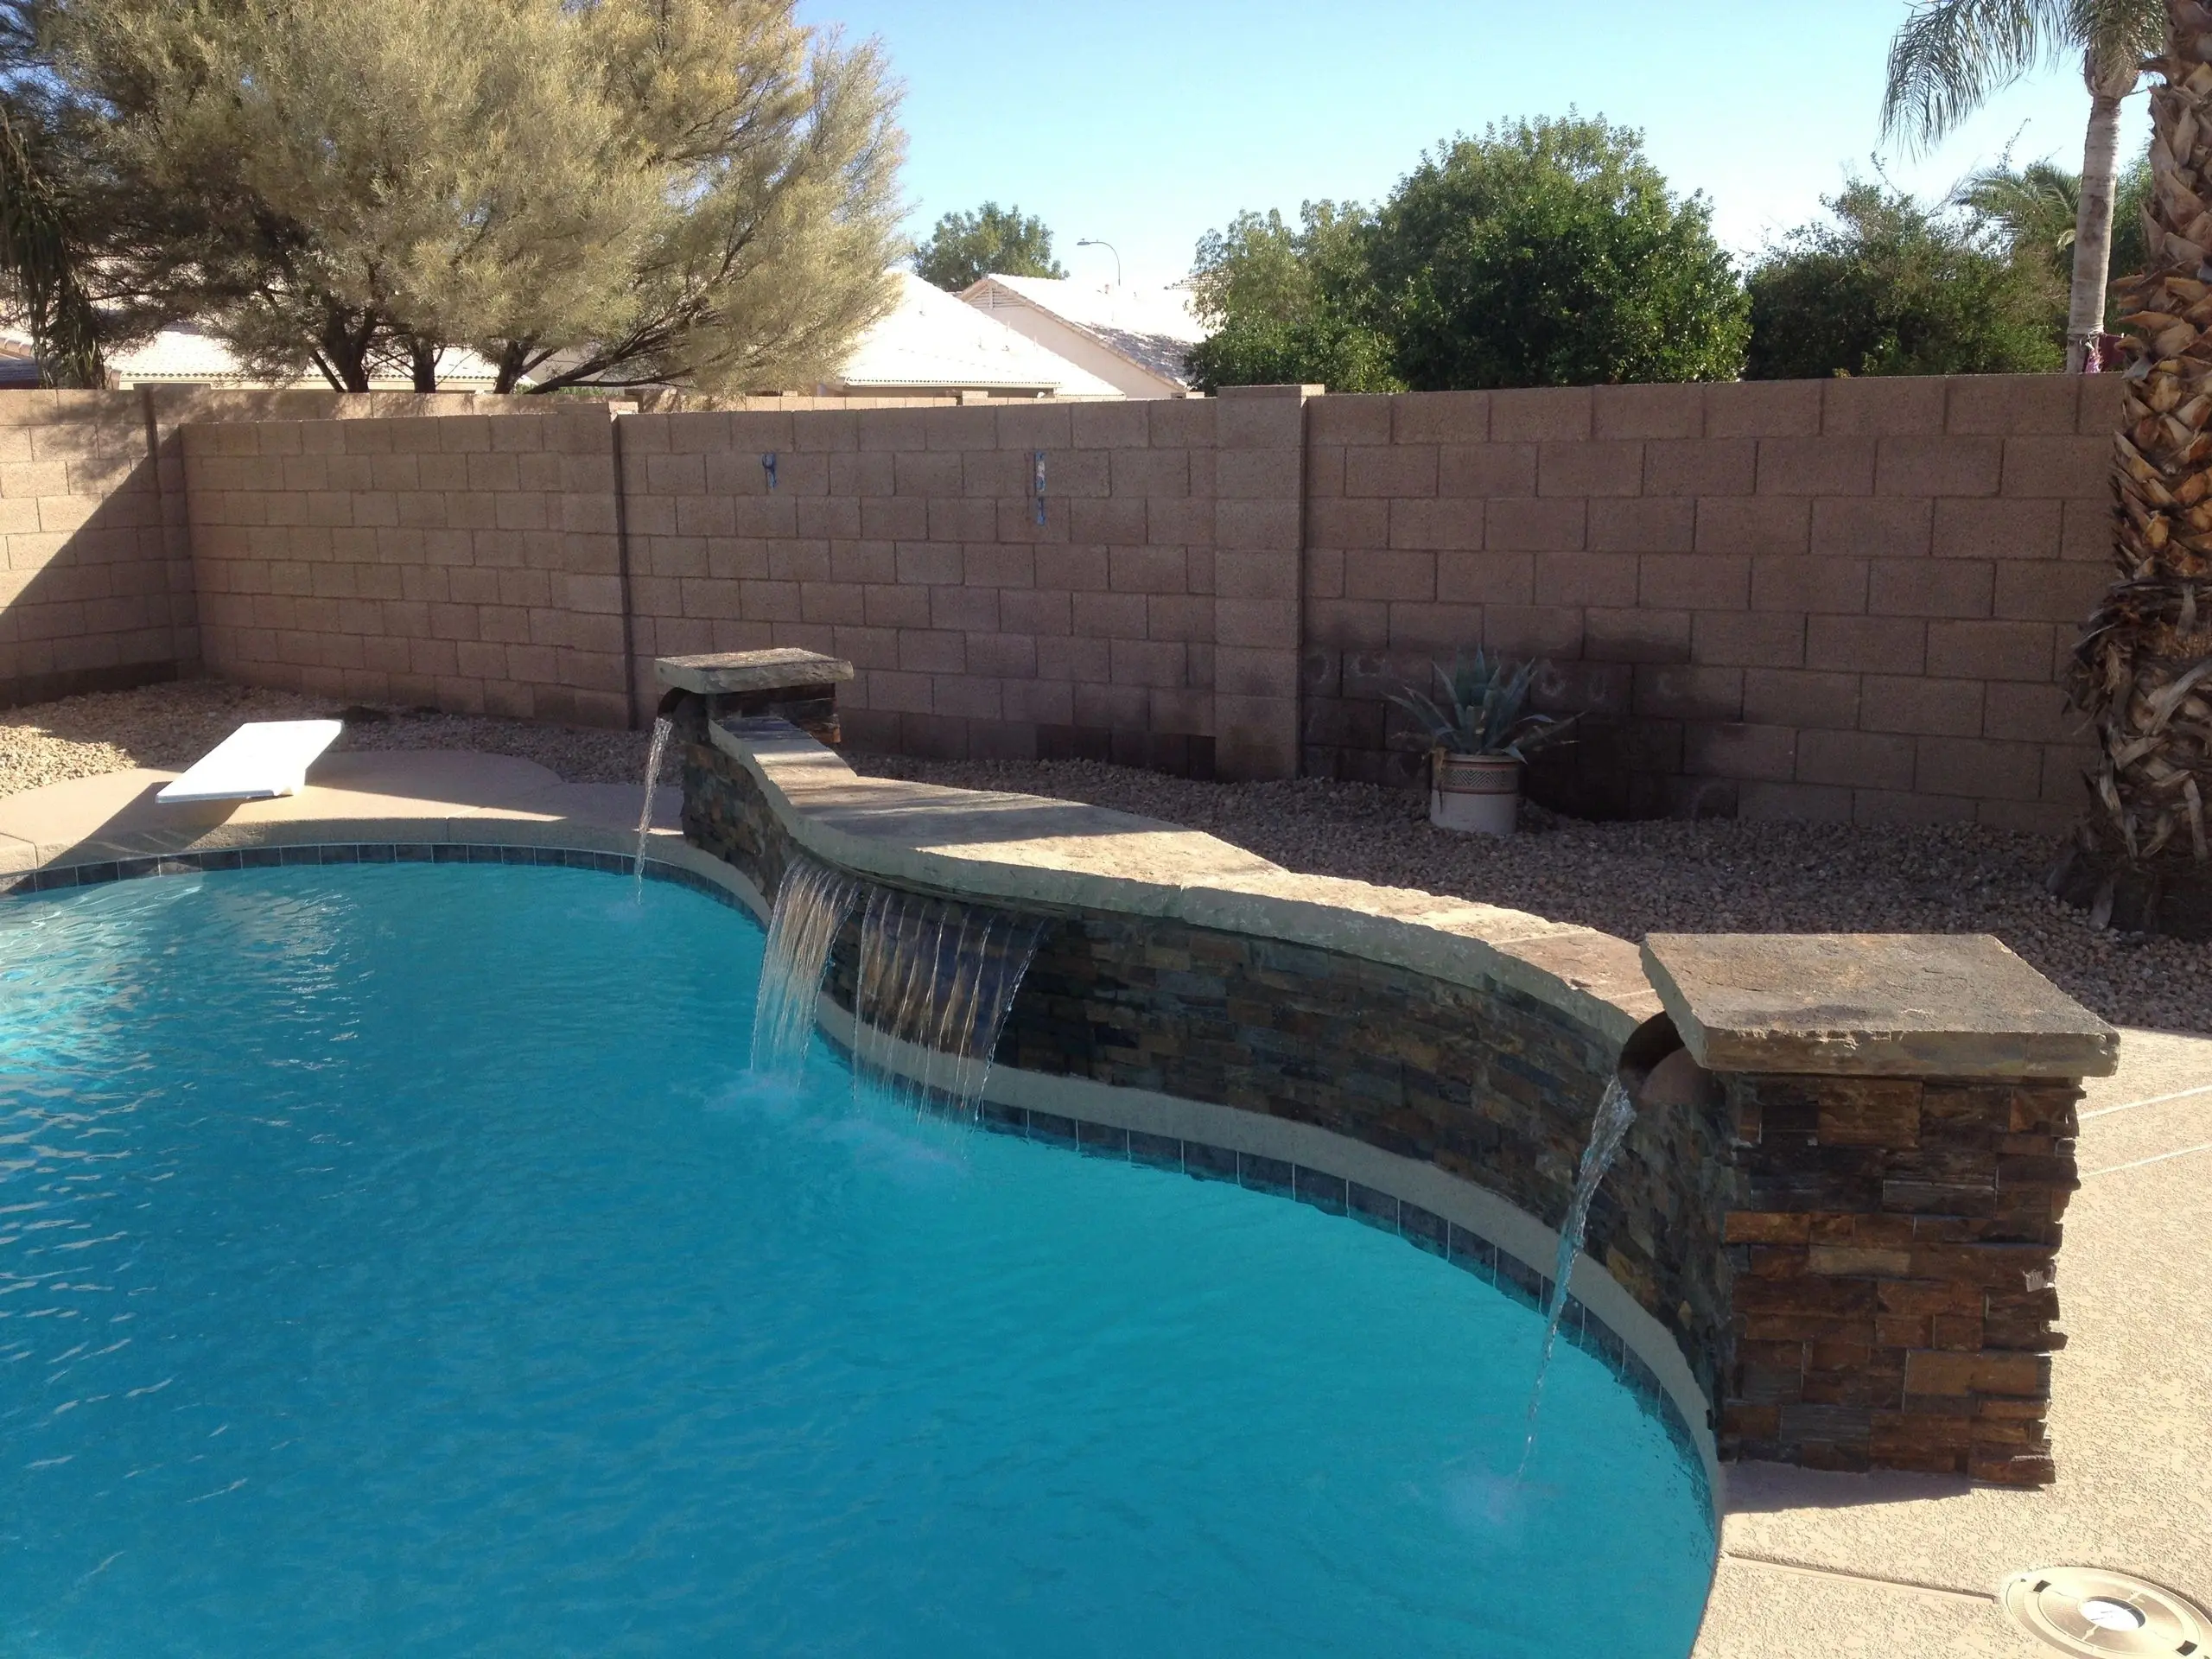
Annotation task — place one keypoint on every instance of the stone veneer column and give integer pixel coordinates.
(1259, 542)
(1903, 1117)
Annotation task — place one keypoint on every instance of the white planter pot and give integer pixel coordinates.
(1475, 794)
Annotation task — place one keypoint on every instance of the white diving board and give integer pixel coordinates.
(261, 760)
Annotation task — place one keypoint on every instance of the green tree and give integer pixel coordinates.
(2036, 208)
(992, 241)
(41, 258)
(1288, 307)
(1551, 253)
(591, 193)
(1889, 287)
(1948, 57)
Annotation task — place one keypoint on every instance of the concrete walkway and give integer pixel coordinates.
(429, 795)
(1811, 1564)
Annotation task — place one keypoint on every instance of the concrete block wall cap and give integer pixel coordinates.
(1925, 1005)
(719, 673)
(1030, 850)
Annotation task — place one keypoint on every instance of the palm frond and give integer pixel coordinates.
(1950, 55)
(2120, 35)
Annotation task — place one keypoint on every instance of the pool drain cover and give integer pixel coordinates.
(2086, 1610)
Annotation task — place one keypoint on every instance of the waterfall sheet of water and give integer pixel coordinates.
(661, 727)
(812, 902)
(935, 982)
(1616, 1112)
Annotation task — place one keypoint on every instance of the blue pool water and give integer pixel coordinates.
(398, 1260)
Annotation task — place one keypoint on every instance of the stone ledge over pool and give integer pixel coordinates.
(1831, 1239)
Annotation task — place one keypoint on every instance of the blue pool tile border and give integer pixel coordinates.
(66, 878)
(1334, 1195)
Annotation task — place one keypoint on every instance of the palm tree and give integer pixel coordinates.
(2143, 670)
(2036, 210)
(1951, 54)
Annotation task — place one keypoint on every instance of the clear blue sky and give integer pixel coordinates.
(1146, 123)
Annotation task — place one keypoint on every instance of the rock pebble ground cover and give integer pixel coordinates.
(1714, 875)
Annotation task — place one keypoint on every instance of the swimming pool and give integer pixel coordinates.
(402, 1259)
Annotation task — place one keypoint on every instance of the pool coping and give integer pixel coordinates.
(1799, 1569)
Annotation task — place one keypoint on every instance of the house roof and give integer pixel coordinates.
(185, 351)
(184, 354)
(932, 340)
(1152, 328)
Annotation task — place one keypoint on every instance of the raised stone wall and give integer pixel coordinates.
(1841, 1199)
(1491, 1084)
(1900, 1122)
(1896, 1270)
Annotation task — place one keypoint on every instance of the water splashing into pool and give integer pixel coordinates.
(811, 905)
(935, 983)
(1616, 1112)
(661, 727)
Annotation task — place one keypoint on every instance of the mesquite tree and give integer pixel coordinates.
(590, 193)
(41, 256)
(2143, 667)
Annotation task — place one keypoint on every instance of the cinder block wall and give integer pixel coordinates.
(467, 563)
(97, 590)
(982, 617)
(93, 594)
(1845, 600)
(1840, 600)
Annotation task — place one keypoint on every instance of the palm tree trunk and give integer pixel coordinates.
(2143, 670)
(2085, 314)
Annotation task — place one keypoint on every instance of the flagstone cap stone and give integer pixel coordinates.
(996, 846)
(1873, 1005)
(721, 673)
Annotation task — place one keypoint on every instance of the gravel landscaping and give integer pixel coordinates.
(1628, 878)
(1712, 875)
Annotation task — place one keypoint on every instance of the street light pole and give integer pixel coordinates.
(1092, 242)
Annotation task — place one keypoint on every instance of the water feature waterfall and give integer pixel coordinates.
(931, 989)
(935, 983)
(811, 903)
(1616, 1112)
(661, 727)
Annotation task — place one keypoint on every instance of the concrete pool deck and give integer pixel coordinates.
(1810, 1563)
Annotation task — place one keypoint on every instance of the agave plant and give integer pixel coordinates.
(1484, 710)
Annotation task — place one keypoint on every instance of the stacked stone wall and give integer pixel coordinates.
(1489, 1085)
(1895, 1272)
(1860, 1271)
